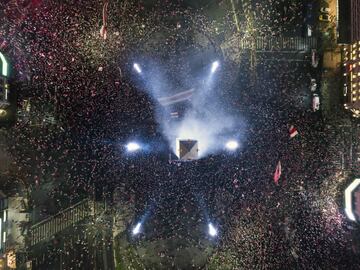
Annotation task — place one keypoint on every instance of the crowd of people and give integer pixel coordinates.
(57, 51)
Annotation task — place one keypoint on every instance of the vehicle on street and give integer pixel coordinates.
(313, 85)
(324, 18)
(314, 59)
(309, 30)
(325, 10)
(345, 90)
(315, 102)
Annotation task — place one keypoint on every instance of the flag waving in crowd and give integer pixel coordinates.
(277, 173)
(103, 30)
(293, 132)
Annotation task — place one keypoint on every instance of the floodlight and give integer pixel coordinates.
(232, 145)
(132, 146)
(136, 229)
(137, 68)
(214, 66)
(212, 230)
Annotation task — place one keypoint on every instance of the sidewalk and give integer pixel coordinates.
(332, 57)
(331, 89)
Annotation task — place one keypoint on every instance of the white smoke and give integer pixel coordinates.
(206, 117)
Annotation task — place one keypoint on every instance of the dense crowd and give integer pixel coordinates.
(57, 51)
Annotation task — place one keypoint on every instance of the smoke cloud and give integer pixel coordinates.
(203, 114)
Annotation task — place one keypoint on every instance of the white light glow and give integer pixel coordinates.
(348, 199)
(2, 112)
(136, 229)
(131, 147)
(212, 230)
(137, 68)
(4, 71)
(214, 66)
(232, 145)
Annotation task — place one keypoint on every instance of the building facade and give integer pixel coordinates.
(7, 96)
(349, 39)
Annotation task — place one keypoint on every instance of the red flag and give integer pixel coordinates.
(293, 132)
(103, 30)
(277, 173)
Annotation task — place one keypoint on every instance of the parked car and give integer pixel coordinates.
(345, 90)
(325, 10)
(315, 102)
(309, 30)
(313, 85)
(324, 18)
(314, 59)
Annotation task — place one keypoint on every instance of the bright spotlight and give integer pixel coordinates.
(136, 229)
(137, 68)
(214, 66)
(132, 147)
(212, 230)
(232, 145)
